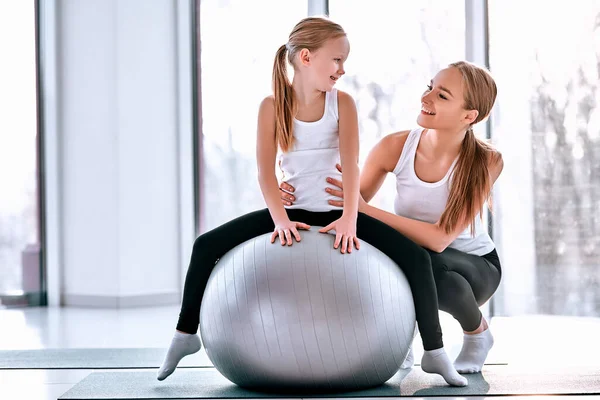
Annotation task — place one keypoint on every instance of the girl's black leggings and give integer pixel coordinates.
(414, 261)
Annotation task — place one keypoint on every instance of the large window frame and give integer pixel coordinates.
(39, 297)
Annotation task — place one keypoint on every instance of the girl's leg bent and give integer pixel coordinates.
(416, 265)
(415, 262)
(207, 250)
(212, 245)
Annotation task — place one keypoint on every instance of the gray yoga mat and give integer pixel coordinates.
(108, 358)
(80, 358)
(208, 383)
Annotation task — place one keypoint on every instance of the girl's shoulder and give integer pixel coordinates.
(268, 102)
(345, 100)
(267, 108)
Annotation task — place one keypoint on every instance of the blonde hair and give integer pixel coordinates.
(311, 33)
(471, 181)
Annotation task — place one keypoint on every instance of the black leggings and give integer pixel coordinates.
(464, 282)
(414, 261)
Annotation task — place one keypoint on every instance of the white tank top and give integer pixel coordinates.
(312, 158)
(426, 201)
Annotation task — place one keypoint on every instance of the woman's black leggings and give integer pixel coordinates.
(464, 282)
(414, 261)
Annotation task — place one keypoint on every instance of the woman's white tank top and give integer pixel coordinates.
(426, 201)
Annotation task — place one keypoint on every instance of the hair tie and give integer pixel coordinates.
(287, 46)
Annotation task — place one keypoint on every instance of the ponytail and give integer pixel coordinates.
(284, 101)
(471, 183)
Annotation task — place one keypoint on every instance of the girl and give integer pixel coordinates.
(444, 174)
(315, 127)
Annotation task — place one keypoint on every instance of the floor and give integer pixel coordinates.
(535, 341)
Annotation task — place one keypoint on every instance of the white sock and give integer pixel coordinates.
(183, 344)
(409, 361)
(474, 351)
(437, 362)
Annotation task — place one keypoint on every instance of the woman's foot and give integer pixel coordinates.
(183, 344)
(474, 351)
(437, 362)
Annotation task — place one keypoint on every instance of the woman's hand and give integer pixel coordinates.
(287, 198)
(285, 229)
(345, 233)
(339, 192)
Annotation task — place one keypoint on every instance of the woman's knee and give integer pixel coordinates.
(456, 297)
(493, 282)
(454, 292)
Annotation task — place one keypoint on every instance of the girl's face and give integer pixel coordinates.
(325, 65)
(442, 103)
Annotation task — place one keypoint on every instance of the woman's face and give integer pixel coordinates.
(442, 103)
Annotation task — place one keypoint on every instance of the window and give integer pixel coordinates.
(20, 270)
(547, 125)
(238, 42)
(395, 49)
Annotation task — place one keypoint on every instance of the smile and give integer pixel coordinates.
(426, 111)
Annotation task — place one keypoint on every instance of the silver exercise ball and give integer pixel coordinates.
(306, 316)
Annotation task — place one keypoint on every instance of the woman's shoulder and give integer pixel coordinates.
(495, 163)
(395, 141)
(389, 149)
(494, 156)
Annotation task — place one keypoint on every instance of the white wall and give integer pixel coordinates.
(119, 158)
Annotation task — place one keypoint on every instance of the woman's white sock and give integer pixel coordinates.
(474, 351)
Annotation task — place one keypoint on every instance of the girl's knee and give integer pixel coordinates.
(201, 243)
(421, 257)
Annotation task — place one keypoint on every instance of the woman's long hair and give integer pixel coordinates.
(471, 180)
